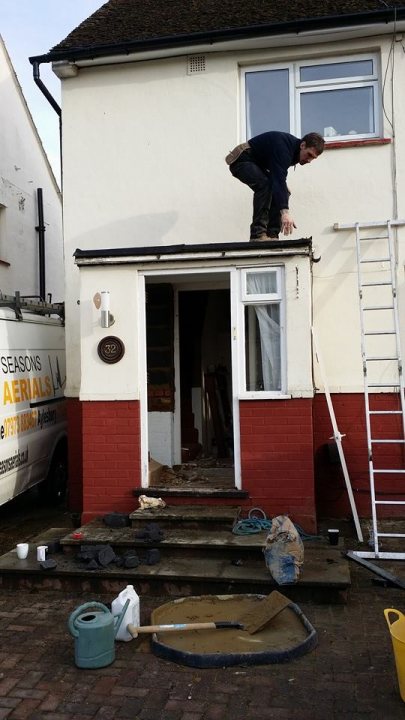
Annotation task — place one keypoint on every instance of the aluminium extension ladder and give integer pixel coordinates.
(382, 370)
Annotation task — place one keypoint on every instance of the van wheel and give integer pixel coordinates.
(53, 489)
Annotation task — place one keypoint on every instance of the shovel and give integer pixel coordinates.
(252, 621)
(267, 608)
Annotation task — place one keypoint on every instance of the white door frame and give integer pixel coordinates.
(143, 381)
(177, 406)
(143, 389)
(235, 361)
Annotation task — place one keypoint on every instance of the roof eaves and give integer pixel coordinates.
(385, 15)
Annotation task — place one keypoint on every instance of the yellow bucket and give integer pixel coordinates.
(397, 630)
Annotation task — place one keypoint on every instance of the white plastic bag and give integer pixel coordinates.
(131, 613)
(284, 551)
(148, 503)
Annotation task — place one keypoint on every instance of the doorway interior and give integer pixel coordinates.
(191, 429)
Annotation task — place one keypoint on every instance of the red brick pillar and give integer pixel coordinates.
(111, 456)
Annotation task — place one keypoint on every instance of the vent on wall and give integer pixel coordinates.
(196, 64)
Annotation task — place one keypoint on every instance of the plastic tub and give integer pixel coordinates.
(288, 636)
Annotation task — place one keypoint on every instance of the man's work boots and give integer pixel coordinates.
(263, 238)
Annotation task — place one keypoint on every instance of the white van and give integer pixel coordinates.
(33, 427)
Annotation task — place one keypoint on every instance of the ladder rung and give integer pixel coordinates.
(375, 284)
(391, 472)
(375, 440)
(373, 260)
(385, 412)
(382, 385)
(374, 237)
(390, 502)
(378, 307)
(383, 357)
(390, 534)
(380, 332)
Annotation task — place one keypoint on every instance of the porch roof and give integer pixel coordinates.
(206, 251)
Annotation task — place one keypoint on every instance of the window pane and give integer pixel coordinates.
(356, 68)
(260, 283)
(262, 346)
(267, 101)
(338, 112)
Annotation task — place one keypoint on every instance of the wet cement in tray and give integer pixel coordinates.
(285, 631)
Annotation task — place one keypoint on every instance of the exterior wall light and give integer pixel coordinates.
(106, 318)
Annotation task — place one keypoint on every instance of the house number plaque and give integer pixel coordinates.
(111, 349)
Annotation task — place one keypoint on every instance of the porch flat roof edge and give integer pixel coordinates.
(167, 252)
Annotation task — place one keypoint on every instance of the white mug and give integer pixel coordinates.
(41, 552)
(22, 550)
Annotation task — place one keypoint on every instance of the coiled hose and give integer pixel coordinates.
(257, 521)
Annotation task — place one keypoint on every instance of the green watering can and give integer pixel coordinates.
(94, 634)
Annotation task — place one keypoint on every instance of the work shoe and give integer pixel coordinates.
(260, 238)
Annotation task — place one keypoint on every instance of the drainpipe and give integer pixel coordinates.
(51, 100)
(41, 243)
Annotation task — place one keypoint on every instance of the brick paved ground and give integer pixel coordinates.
(349, 676)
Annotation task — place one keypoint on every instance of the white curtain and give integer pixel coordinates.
(258, 284)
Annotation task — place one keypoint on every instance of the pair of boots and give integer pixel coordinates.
(264, 238)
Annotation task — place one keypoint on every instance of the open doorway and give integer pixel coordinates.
(190, 416)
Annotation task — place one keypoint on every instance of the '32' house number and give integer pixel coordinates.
(111, 349)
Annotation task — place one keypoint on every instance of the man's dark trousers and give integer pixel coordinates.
(266, 218)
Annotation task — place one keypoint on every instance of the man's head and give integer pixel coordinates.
(312, 145)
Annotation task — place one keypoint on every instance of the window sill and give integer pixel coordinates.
(356, 143)
(264, 395)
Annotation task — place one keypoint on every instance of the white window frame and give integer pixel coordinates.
(248, 299)
(297, 88)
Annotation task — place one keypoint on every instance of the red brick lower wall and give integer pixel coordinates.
(111, 458)
(277, 458)
(331, 494)
(288, 462)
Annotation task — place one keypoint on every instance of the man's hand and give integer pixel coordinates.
(287, 223)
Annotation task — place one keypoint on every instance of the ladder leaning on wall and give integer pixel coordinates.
(382, 372)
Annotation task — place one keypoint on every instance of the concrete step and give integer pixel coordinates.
(189, 516)
(176, 541)
(325, 576)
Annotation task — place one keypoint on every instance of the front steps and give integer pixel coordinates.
(199, 554)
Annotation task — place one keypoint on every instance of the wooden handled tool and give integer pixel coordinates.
(180, 627)
(257, 618)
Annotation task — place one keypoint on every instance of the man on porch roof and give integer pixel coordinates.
(262, 163)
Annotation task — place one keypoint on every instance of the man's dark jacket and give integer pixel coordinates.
(275, 152)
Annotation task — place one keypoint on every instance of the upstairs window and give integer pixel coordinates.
(339, 98)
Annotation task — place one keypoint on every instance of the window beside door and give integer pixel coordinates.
(339, 98)
(262, 319)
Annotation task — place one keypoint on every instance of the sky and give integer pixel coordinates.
(33, 27)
